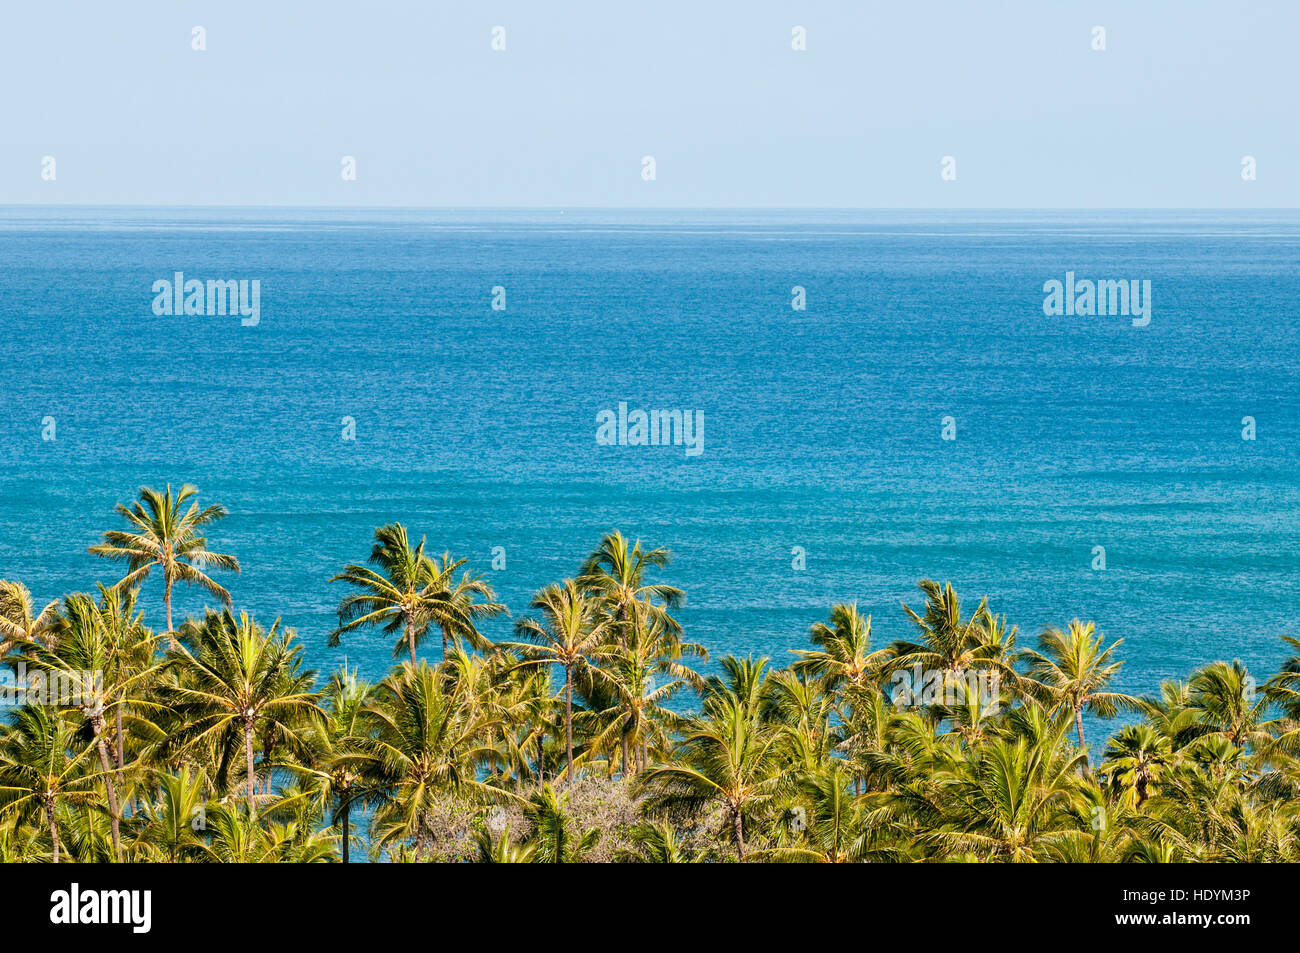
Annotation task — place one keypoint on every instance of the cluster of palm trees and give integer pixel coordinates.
(591, 736)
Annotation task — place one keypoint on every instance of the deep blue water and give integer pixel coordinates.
(822, 427)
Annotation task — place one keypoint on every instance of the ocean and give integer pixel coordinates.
(822, 429)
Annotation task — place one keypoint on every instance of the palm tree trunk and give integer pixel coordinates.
(347, 826)
(626, 770)
(54, 829)
(248, 757)
(622, 623)
(740, 836)
(421, 832)
(267, 750)
(410, 636)
(119, 752)
(568, 717)
(1085, 768)
(541, 758)
(167, 598)
(111, 789)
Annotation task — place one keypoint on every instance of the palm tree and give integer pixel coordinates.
(519, 703)
(236, 837)
(1136, 761)
(1075, 666)
(43, 768)
(568, 636)
(423, 742)
(659, 843)
(522, 701)
(503, 850)
(19, 843)
(239, 679)
(405, 593)
(862, 733)
(462, 595)
(84, 837)
(628, 695)
(616, 572)
(1172, 715)
(164, 536)
(333, 777)
(1225, 699)
(173, 821)
(92, 657)
(1284, 687)
(728, 760)
(799, 703)
(832, 828)
(553, 837)
(17, 621)
(1199, 809)
(1283, 690)
(533, 717)
(1011, 798)
(845, 663)
(952, 645)
(843, 655)
(742, 680)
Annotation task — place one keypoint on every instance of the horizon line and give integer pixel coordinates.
(657, 208)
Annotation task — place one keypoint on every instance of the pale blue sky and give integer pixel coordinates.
(733, 116)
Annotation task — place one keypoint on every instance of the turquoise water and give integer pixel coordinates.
(822, 428)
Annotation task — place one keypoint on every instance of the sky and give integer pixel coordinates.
(1034, 116)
